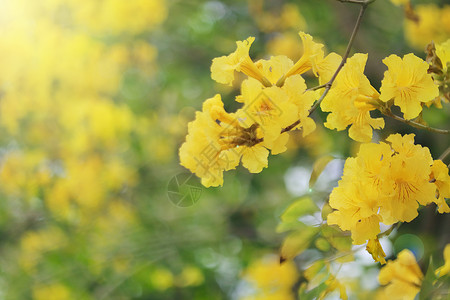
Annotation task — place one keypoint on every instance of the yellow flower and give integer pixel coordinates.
(55, 291)
(407, 82)
(217, 140)
(443, 52)
(270, 279)
(327, 67)
(432, 25)
(441, 178)
(400, 2)
(445, 269)
(206, 151)
(349, 101)
(312, 54)
(270, 108)
(407, 183)
(402, 276)
(222, 68)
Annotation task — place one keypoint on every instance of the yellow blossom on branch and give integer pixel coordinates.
(223, 68)
(407, 82)
(441, 178)
(350, 101)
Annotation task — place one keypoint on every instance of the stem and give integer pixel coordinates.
(317, 87)
(327, 86)
(387, 112)
(388, 232)
(445, 154)
(360, 2)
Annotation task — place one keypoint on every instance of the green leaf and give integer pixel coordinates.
(322, 244)
(301, 207)
(318, 168)
(313, 293)
(297, 242)
(326, 210)
(427, 287)
(292, 225)
(317, 267)
(337, 238)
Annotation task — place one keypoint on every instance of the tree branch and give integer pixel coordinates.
(387, 112)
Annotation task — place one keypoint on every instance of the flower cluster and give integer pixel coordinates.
(406, 84)
(385, 183)
(274, 100)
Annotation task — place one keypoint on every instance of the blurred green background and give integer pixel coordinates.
(95, 97)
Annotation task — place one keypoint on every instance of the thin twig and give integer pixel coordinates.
(328, 85)
(388, 113)
(388, 232)
(445, 154)
(344, 58)
(317, 87)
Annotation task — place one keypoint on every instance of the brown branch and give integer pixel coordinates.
(328, 85)
(445, 154)
(388, 112)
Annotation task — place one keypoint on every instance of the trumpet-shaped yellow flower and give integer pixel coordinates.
(350, 101)
(312, 54)
(445, 269)
(408, 83)
(223, 68)
(402, 276)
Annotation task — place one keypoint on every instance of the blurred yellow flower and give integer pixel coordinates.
(54, 291)
(400, 2)
(271, 280)
(432, 25)
(445, 269)
(402, 276)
